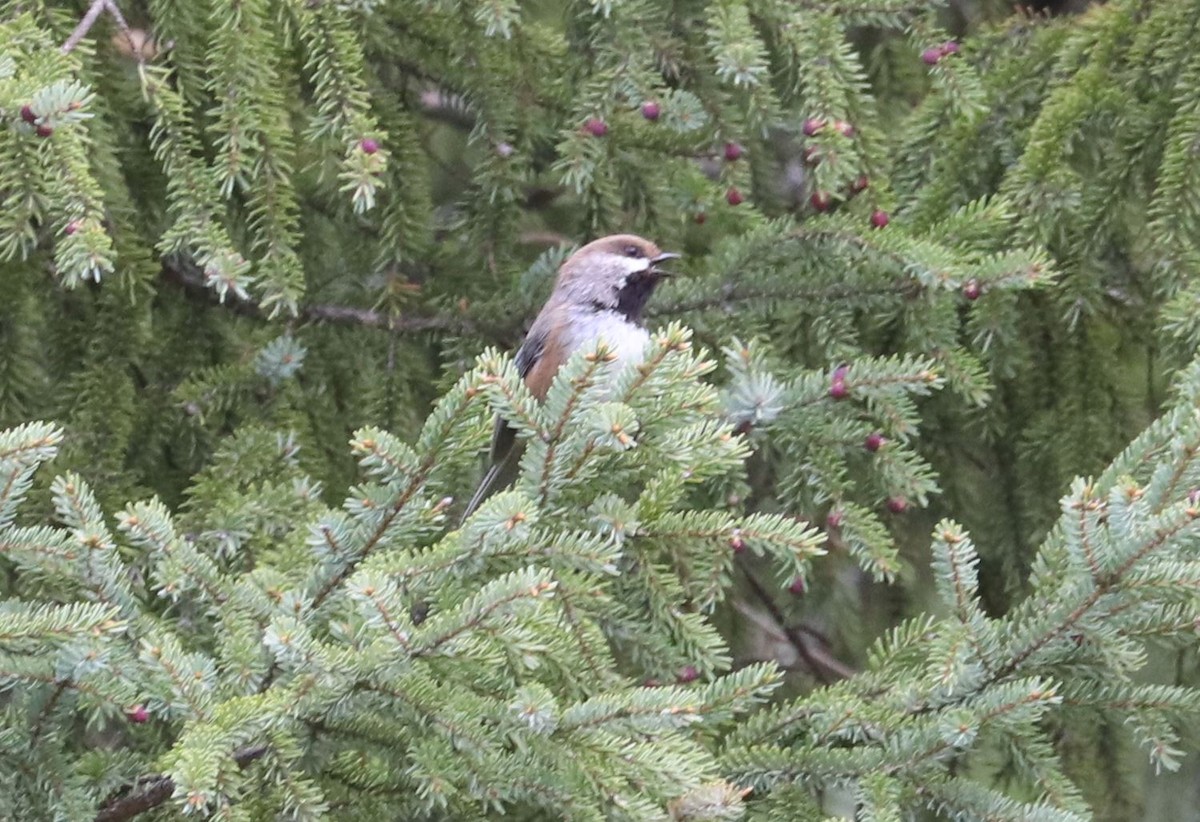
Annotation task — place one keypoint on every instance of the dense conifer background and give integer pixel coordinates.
(899, 517)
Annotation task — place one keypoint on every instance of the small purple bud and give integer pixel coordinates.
(595, 127)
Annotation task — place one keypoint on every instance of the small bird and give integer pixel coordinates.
(600, 292)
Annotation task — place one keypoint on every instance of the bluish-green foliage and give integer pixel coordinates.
(927, 282)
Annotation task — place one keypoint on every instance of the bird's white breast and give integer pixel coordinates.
(628, 340)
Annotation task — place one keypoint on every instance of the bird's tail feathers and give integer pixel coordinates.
(486, 486)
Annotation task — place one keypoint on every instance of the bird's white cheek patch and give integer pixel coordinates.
(630, 265)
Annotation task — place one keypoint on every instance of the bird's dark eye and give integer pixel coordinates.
(632, 251)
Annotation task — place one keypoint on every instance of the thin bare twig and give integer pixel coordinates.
(178, 273)
(548, 238)
(349, 315)
(824, 665)
(122, 26)
(94, 11)
(47, 709)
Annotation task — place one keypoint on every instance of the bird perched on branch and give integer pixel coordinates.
(600, 292)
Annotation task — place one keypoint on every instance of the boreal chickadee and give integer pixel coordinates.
(599, 293)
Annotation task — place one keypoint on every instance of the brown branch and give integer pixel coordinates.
(729, 294)
(350, 315)
(179, 273)
(824, 666)
(151, 791)
(723, 295)
(503, 331)
(60, 687)
(546, 238)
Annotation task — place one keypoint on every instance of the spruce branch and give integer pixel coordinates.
(151, 791)
(1107, 583)
(579, 385)
(405, 494)
(1035, 148)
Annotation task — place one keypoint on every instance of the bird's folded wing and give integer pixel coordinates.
(504, 455)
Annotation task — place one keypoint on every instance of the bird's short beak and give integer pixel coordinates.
(662, 258)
